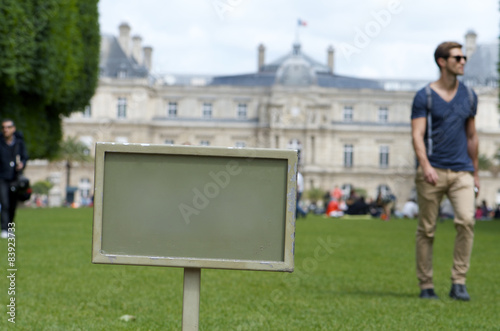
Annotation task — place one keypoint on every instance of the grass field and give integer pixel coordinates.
(349, 275)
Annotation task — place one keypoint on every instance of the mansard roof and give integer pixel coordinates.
(296, 69)
(481, 67)
(113, 60)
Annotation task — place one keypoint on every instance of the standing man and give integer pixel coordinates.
(300, 190)
(446, 146)
(13, 159)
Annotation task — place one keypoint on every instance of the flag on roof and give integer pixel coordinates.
(301, 22)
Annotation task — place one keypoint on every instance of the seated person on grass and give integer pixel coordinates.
(333, 209)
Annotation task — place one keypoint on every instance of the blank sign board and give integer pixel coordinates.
(201, 207)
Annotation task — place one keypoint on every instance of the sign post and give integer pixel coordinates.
(191, 299)
(194, 208)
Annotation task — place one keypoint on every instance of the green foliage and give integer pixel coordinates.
(484, 162)
(48, 66)
(41, 187)
(73, 150)
(315, 194)
(350, 274)
(361, 192)
(490, 164)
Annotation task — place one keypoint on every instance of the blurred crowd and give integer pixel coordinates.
(336, 203)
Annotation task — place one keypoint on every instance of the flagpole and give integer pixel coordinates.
(297, 26)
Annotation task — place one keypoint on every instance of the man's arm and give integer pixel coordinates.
(22, 156)
(473, 147)
(418, 126)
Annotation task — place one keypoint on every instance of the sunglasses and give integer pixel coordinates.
(458, 57)
(7, 126)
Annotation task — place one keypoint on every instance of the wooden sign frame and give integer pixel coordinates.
(194, 207)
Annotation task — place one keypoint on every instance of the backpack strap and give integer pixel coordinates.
(471, 98)
(428, 93)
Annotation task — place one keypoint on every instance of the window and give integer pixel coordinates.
(169, 141)
(384, 156)
(240, 144)
(242, 110)
(122, 73)
(383, 190)
(313, 149)
(172, 109)
(207, 110)
(296, 144)
(121, 108)
(204, 143)
(87, 112)
(383, 115)
(346, 190)
(348, 155)
(88, 142)
(85, 188)
(347, 115)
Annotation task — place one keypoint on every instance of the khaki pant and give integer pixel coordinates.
(459, 187)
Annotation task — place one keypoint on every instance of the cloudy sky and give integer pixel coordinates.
(371, 38)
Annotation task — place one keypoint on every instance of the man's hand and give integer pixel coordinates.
(476, 184)
(19, 166)
(430, 175)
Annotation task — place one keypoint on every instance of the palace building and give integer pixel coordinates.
(351, 132)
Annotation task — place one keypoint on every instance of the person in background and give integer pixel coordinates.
(13, 157)
(336, 193)
(410, 209)
(333, 209)
(358, 207)
(300, 190)
(485, 211)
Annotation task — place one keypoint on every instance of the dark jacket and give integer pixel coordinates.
(8, 156)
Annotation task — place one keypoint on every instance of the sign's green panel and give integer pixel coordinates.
(194, 207)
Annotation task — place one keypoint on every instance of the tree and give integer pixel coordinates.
(42, 187)
(315, 194)
(48, 66)
(484, 162)
(490, 164)
(72, 150)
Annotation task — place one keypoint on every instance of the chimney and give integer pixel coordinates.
(470, 43)
(261, 57)
(330, 58)
(124, 38)
(137, 49)
(147, 57)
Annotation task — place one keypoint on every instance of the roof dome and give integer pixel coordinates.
(297, 69)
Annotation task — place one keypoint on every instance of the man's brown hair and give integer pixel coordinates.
(443, 50)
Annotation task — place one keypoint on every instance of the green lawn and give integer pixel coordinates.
(349, 275)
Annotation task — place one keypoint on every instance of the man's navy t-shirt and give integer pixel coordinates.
(449, 139)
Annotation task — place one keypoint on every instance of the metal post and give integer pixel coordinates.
(191, 299)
